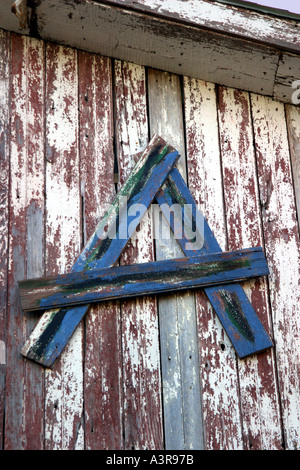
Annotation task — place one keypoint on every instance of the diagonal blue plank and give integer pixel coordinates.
(56, 327)
(230, 302)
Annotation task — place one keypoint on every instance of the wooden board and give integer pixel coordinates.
(218, 368)
(24, 394)
(242, 22)
(282, 244)
(64, 384)
(4, 208)
(293, 125)
(219, 43)
(230, 302)
(247, 404)
(103, 416)
(105, 246)
(178, 332)
(287, 73)
(147, 40)
(141, 279)
(142, 398)
(257, 375)
(137, 193)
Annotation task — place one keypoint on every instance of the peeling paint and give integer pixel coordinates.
(122, 352)
(139, 317)
(2, 353)
(282, 250)
(64, 384)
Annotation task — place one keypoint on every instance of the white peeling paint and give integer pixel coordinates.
(283, 253)
(2, 353)
(64, 385)
(233, 19)
(140, 345)
(133, 130)
(244, 230)
(26, 167)
(219, 373)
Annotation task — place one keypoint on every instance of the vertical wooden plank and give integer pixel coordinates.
(140, 337)
(283, 253)
(293, 124)
(257, 375)
(102, 371)
(4, 208)
(177, 316)
(24, 390)
(219, 374)
(64, 384)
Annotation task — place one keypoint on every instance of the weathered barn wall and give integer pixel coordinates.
(148, 373)
(228, 45)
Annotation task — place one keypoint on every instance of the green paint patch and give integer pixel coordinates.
(191, 272)
(232, 306)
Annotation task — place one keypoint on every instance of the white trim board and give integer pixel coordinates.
(174, 41)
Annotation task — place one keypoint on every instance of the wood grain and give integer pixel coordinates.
(102, 372)
(100, 400)
(293, 125)
(64, 384)
(281, 236)
(228, 19)
(141, 279)
(257, 375)
(142, 402)
(219, 375)
(105, 245)
(220, 44)
(177, 319)
(287, 73)
(24, 418)
(229, 301)
(130, 205)
(5, 91)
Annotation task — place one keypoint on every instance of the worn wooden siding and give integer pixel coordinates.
(130, 379)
